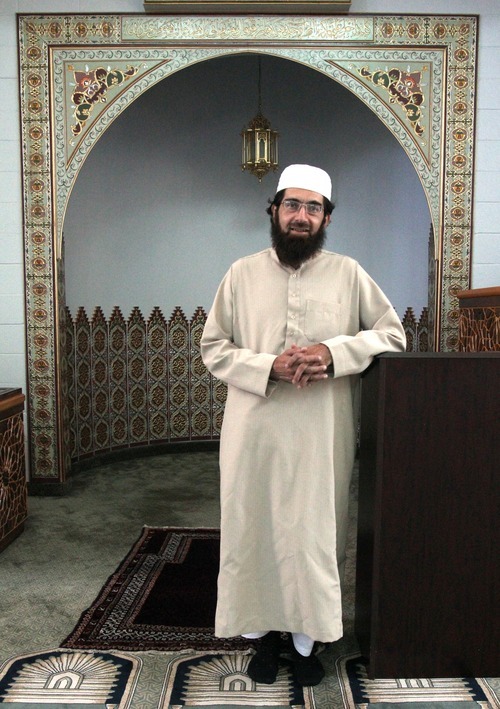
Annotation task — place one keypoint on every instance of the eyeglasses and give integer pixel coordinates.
(293, 205)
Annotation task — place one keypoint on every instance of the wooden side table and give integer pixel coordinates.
(479, 320)
(13, 486)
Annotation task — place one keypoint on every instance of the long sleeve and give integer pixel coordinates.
(381, 330)
(233, 364)
(262, 308)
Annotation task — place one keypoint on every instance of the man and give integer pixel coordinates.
(290, 329)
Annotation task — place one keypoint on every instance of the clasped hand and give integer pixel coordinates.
(302, 366)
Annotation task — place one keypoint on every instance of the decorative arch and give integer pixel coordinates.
(79, 72)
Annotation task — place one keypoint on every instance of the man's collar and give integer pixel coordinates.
(289, 268)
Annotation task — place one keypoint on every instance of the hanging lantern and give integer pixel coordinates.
(259, 147)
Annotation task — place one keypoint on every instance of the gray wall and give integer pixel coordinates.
(161, 207)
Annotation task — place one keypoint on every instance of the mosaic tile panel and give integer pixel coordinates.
(416, 331)
(219, 393)
(178, 376)
(118, 396)
(417, 73)
(158, 377)
(137, 394)
(137, 381)
(100, 381)
(200, 381)
(83, 385)
(423, 332)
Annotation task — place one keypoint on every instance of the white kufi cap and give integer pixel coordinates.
(306, 177)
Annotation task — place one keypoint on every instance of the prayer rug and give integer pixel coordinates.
(58, 678)
(359, 692)
(162, 597)
(219, 681)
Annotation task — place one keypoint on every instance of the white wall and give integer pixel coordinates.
(161, 207)
(486, 248)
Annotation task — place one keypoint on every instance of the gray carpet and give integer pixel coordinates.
(72, 544)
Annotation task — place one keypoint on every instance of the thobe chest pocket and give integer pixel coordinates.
(322, 320)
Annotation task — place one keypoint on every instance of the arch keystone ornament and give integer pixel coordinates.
(79, 72)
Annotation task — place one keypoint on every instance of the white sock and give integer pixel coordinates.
(254, 636)
(303, 643)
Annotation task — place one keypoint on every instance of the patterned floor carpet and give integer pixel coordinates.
(72, 544)
(62, 678)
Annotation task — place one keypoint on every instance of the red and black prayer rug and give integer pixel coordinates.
(162, 597)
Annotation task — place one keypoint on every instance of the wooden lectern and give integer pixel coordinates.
(428, 548)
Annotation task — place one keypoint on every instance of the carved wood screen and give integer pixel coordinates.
(78, 72)
(140, 381)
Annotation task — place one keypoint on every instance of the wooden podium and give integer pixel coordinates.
(428, 548)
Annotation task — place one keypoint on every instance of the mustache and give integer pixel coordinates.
(303, 226)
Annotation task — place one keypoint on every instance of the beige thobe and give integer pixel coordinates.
(287, 455)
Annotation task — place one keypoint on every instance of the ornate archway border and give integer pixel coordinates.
(386, 61)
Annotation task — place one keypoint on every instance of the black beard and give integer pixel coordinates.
(295, 250)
